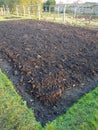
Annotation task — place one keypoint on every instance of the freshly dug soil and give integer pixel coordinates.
(50, 62)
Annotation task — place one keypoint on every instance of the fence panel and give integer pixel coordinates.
(4, 11)
(62, 13)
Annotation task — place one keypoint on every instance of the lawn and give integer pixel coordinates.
(54, 18)
(14, 114)
(15, 17)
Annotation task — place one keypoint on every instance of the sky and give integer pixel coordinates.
(64, 1)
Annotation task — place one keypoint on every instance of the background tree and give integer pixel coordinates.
(9, 3)
(12, 3)
(2, 2)
(29, 2)
(48, 3)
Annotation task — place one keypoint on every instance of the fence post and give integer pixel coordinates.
(1, 11)
(92, 11)
(8, 11)
(75, 11)
(17, 11)
(58, 10)
(39, 16)
(24, 10)
(29, 11)
(64, 13)
(49, 9)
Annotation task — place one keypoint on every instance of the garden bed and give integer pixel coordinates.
(53, 64)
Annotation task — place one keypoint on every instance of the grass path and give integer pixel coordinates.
(81, 116)
(14, 114)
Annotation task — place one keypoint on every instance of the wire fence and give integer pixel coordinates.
(57, 13)
(4, 10)
(73, 11)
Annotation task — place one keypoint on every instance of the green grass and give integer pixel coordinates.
(81, 116)
(15, 17)
(14, 114)
(54, 18)
(69, 19)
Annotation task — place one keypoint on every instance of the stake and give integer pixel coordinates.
(64, 14)
(39, 13)
(24, 10)
(29, 11)
(58, 10)
(17, 11)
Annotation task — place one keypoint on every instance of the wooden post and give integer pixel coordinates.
(54, 16)
(23, 10)
(39, 16)
(75, 11)
(92, 11)
(49, 9)
(64, 13)
(45, 9)
(17, 11)
(58, 10)
(29, 11)
(1, 11)
(7, 9)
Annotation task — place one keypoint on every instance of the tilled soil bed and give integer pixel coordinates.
(51, 61)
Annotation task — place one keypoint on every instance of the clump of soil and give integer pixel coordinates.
(50, 58)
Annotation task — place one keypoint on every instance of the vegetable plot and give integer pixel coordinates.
(50, 58)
